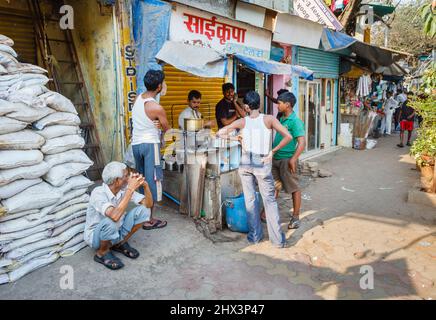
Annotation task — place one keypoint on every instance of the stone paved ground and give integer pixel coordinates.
(358, 217)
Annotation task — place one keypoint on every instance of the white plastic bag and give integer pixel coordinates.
(10, 159)
(36, 197)
(75, 155)
(63, 118)
(62, 144)
(129, 159)
(29, 114)
(8, 125)
(13, 188)
(56, 131)
(22, 140)
(28, 172)
(60, 173)
(58, 102)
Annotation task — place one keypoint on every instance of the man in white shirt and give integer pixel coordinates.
(192, 111)
(389, 108)
(108, 225)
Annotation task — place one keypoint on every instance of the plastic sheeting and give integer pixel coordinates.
(151, 19)
(274, 67)
(207, 63)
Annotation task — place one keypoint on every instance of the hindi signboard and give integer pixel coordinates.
(196, 27)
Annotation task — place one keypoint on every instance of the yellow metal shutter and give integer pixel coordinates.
(18, 25)
(179, 84)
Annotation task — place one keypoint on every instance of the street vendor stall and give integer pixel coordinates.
(200, 170)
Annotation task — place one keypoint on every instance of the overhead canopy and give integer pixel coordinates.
(274, 67)
(200, 61)
(336, 41)
(209, 63)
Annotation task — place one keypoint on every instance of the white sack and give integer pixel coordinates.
(57, 231)
(36, 197)
(60, 173)
(10, 159)
(6, 107)
(13, 188)
(23, 140)
(31, 266)
(18, 215)
(59, 102)
(6, 40)
(73, 250)
(8, 125)
(68, 212)
(29, 114)
(25, 241)
(8, 49)
(6, 58)
(25, 68)
(8, 237)
(63, 118)
(65, 198)
(28, 172)
(77, 182)
(56, 131)
(62, 144)
(75, 215)
(75, 155)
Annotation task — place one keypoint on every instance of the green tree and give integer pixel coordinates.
(428, 16)
(406, 29)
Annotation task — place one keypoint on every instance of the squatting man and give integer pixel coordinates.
(108, 223)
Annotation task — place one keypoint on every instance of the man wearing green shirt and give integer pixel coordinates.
(284, 168)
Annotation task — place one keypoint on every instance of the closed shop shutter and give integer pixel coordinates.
(323, 64)
(18, 25)
(179, 84)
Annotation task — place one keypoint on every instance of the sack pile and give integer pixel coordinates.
(43, 193)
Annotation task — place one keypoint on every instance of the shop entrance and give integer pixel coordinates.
(245, 80)
(309, 99)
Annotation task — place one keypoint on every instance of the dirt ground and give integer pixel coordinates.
(354, 222)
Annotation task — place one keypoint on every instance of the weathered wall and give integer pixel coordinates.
(224, 8)
(94, 39)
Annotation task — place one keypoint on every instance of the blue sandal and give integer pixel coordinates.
(109, 261)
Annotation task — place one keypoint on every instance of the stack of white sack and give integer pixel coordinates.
(43, 192)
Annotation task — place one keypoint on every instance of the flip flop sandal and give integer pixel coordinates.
(127, 250)
(157, 225)
(109, 261)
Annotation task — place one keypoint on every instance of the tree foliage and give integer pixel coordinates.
(406, 32)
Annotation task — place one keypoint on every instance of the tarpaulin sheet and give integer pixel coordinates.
(202, 62)
(151, 20)
(274, 67)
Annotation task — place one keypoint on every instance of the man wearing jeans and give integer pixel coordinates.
(146, 113)
(256, 166)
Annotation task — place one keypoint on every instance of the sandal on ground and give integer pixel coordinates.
(127, 250)
(156, 225)
(109, 261)
(400, 145)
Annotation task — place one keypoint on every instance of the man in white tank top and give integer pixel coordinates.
(255, 166)
(146, 114)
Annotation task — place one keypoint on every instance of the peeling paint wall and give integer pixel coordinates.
(95, 44)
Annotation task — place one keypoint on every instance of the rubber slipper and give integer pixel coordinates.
(156, 225)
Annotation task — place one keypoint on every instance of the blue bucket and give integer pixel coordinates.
(236, 213)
